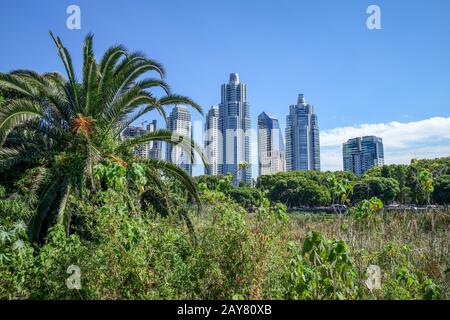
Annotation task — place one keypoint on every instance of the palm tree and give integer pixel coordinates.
(65, 127)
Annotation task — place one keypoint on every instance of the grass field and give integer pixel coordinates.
(419, 241)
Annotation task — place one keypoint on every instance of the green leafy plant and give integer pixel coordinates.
(426, 183)
(366, 209)
(323, 270)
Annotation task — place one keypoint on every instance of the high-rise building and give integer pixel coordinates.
(270, 145)
(151, 149)
(212, 141)
(302, 137)
(361, 154)
(133, 131)
(155, 147)
(234, 126)
(179, 122)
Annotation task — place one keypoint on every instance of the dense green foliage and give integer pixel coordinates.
(412, 189)
(266, 255)
(422, 182)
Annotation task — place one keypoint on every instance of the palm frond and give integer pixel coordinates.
(166, 136)
(67, 62)
(152, 83)
(63, 215)
(107, 66)
(173, 170)
(90, 80)
(10, 157)
(18, 84)
(125, 79)
(17, 112)
(123, 107)
(47, 198)
(177, 99)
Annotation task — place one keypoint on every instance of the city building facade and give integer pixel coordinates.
(234, 127)
(212, 141)
(142, 150)
(152, 149)
(155, 147)
(270, 145)
(361, 154)
(179, 123)
(302, 137)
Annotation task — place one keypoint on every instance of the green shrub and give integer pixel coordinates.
(16, 261)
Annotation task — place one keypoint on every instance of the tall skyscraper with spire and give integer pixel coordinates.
(234, 126)
(302, 137)
(179, 122)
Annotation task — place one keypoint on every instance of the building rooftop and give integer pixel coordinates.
(234, 78)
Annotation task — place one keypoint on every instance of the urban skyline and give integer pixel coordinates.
(229, 121)
(363, 82)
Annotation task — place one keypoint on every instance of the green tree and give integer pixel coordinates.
(66, 127)
(398, 172)
(386, 189)
(426, 184)
(245, 196)
(296, 192)
(340, 189)
(441, 192)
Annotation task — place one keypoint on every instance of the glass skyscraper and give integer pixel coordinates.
(302, 137)
(361, 154)
(234, 127)
(155, 146)
(142, 150)
(212, 137)
(270, 145)
(179, 123)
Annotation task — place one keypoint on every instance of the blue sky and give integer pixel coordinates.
(359, 80)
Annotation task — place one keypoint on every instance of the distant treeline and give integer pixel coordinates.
(422, 182)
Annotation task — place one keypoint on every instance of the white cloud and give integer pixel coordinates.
(428, 138)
